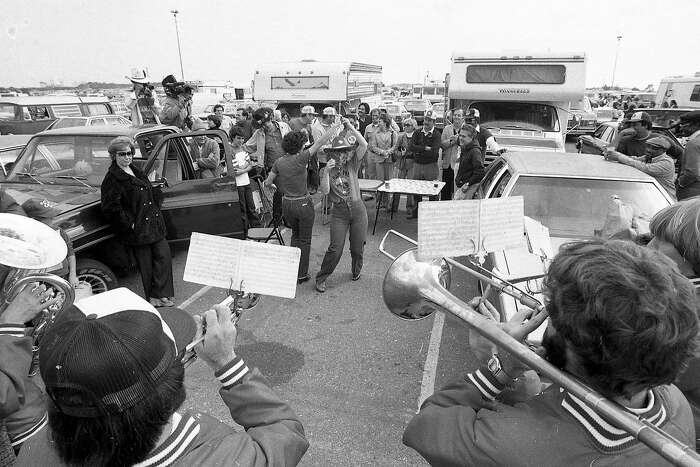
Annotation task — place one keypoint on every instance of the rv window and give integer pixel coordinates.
(38, 112)
(97, 109)
(695, 95)
(7, 112)
(300, 82)
(516, 74)
(66, 110)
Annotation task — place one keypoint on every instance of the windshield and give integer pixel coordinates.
(68, 122)
(518, 115)
(584, 104)
(55, 159)
(394, 109)
(576, 207)
(417, 105)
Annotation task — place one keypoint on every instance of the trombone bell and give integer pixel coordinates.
(407, 278)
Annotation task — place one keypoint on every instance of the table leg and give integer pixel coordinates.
(378, 200)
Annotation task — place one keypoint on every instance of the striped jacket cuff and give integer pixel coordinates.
(485, 382)
(232, 373)
(12, 330)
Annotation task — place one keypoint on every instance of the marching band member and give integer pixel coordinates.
(113, 371)
(624, 321)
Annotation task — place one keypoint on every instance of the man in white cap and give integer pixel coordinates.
(656, 163)
(140, 100)
(632, 140)
(320, 127)
(304, 121)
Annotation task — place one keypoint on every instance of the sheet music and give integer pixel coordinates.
(447, 228)
(538, 236)
(502, 224)
(264, 268)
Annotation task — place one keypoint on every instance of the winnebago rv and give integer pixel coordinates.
(522, 99)
(342, 85)
(685, 90)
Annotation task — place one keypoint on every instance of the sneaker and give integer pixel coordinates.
(156, 302)
(356, 277)
(321, 286)
(302, 279)
(167, 302)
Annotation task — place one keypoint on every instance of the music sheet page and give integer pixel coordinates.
(264, 268)
(447, 228)
(501, 223)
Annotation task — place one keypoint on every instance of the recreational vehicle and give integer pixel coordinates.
(684, 90)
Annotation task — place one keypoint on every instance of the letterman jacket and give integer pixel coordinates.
(22, 403)
(463, 424)
(273, 434)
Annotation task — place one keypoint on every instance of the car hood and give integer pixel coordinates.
(66, 197)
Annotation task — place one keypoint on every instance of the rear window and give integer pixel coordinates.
(66, 110)
(7, 112)
(516, 74)
(97, 109)
(68, 122)
(695, 95)
(416, 105)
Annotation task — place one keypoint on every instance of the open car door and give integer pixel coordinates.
(191, 203)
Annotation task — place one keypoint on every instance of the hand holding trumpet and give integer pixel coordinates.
(216, 347)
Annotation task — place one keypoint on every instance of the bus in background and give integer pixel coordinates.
(685, 90)
(522, 99)
(434, 91)
(343, 85)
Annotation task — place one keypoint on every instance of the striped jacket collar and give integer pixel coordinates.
(183, 435)
(605, 436)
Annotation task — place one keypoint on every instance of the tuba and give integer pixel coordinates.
(28, 248)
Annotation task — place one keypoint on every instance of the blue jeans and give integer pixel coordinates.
(299, 214)
(350, 216)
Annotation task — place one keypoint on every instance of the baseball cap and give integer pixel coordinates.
(40, 208)
(640, 117)
(308, 109)
(692, 116)
(659, 141)
(430, 114)
(112, 349)
(342, 142)
(329, 111)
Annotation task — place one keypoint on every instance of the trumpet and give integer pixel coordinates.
(414, 289)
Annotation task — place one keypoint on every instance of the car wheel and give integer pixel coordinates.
(100, 277)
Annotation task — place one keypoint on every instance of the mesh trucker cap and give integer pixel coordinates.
(112, 350)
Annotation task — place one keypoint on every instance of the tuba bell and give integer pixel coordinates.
(28, 248)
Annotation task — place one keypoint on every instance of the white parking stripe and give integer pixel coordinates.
(194, 297)
(427, 386)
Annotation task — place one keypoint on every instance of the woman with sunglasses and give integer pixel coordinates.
(132, 206)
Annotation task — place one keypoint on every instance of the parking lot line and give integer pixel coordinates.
(427, 386)
(195, 296)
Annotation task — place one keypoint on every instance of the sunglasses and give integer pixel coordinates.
(125, 153)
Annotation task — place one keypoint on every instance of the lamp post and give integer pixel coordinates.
(179, 51)
(617, 52)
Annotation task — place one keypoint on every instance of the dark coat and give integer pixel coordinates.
(132, 206)
(471, 166)
(420, 141)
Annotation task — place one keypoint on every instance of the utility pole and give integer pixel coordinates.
(179, 51)
(617, 52)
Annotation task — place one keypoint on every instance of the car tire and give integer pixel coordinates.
(100, 277)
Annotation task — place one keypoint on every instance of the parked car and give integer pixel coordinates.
(606, 132)
(98, 120)
(66, 166)
(570, 195)
(417, 108)
(606, 114)
(582, 119)
(10, 147)
(27, 115)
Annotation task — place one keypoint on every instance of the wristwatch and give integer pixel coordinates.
(496, 369)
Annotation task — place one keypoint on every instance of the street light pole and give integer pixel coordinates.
(179, 51)
(617, 52)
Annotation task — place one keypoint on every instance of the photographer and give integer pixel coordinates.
(177, 106)
(140, 100)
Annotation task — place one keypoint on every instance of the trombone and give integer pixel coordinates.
(414, 289)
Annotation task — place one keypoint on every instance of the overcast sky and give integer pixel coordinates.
(98, 40)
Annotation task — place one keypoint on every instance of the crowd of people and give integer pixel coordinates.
(623, 314)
